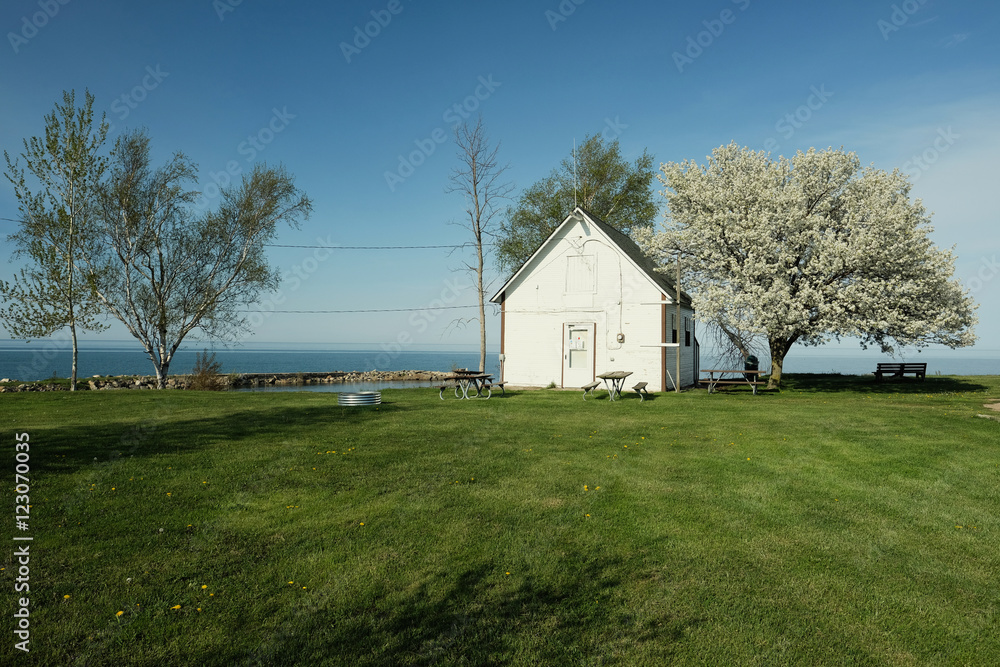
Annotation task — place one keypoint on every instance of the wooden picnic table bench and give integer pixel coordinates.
(589, 388)
(640, 388)
(900, 369)
(744, 378)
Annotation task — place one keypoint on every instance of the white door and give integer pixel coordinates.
(578, 355)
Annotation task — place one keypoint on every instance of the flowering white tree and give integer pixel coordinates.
(810, 248)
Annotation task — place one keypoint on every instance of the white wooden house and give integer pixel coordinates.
(588, 302)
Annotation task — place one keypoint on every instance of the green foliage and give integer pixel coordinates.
(57, 226)
(600, 180)
(206, 372)
(167, 271)
(527, 529)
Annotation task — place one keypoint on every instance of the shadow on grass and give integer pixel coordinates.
(477, 615)
(832, 382)
(158, 429)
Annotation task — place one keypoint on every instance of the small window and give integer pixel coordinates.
(673, 328)
(581, 274)
(687, 332)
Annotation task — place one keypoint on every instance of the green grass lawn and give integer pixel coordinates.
(837, 522)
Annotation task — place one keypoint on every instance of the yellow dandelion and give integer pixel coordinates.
(199, 608)
(204, 585)
(176, 606)
(119, 613)
(65, 597)
(362, 523)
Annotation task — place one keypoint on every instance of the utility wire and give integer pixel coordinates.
(380, 310)
(374, 247)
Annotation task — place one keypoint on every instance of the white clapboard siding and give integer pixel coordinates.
(582, 276)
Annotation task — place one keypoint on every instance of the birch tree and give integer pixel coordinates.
(167, 272)
(811, 248)
(57, 216)
(477, 179)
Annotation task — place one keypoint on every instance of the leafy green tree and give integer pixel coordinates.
(166, 272)
(808, 248)
(57, 226)
(599, 180)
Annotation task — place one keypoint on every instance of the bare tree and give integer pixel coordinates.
(477, 179)
(165, 273)
(57, 222)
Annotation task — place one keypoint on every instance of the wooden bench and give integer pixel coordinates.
(489, 386)
(640, 389)
(589, 388)
(899, 370)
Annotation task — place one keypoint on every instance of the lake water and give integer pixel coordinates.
(40, 360)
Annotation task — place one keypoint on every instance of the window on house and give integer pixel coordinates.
(687, 332)
(581, 274)
(673, 328)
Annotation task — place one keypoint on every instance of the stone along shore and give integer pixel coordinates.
(231, 381)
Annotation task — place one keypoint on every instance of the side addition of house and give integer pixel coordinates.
(587, 302)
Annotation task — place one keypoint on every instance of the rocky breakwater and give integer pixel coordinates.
(292, 379)
(232, 381)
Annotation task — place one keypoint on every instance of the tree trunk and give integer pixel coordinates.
(161, 374)
(779, 348)
(72, 329)
(482, 307)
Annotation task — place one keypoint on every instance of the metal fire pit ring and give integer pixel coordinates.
(359, 398)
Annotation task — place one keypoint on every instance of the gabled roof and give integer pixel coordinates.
(623, 242)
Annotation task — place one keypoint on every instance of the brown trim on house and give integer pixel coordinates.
(663, 339)
(593, 365)
(503, 332)
(562, 366)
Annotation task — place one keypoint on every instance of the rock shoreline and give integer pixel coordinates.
(231, 381)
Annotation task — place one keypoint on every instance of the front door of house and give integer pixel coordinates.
(578, 355)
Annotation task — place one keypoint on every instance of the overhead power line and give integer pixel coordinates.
(379, 310)
(375, 247)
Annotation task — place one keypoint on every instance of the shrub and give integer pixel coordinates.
(206, 372)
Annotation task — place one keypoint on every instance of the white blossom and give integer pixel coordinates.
(810, 248)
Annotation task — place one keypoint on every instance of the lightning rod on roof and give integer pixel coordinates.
(575, 178)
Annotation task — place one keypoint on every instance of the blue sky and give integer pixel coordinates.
(353, 98)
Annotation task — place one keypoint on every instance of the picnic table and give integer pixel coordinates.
(614, 381)
(465, 380)
(744, 376)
